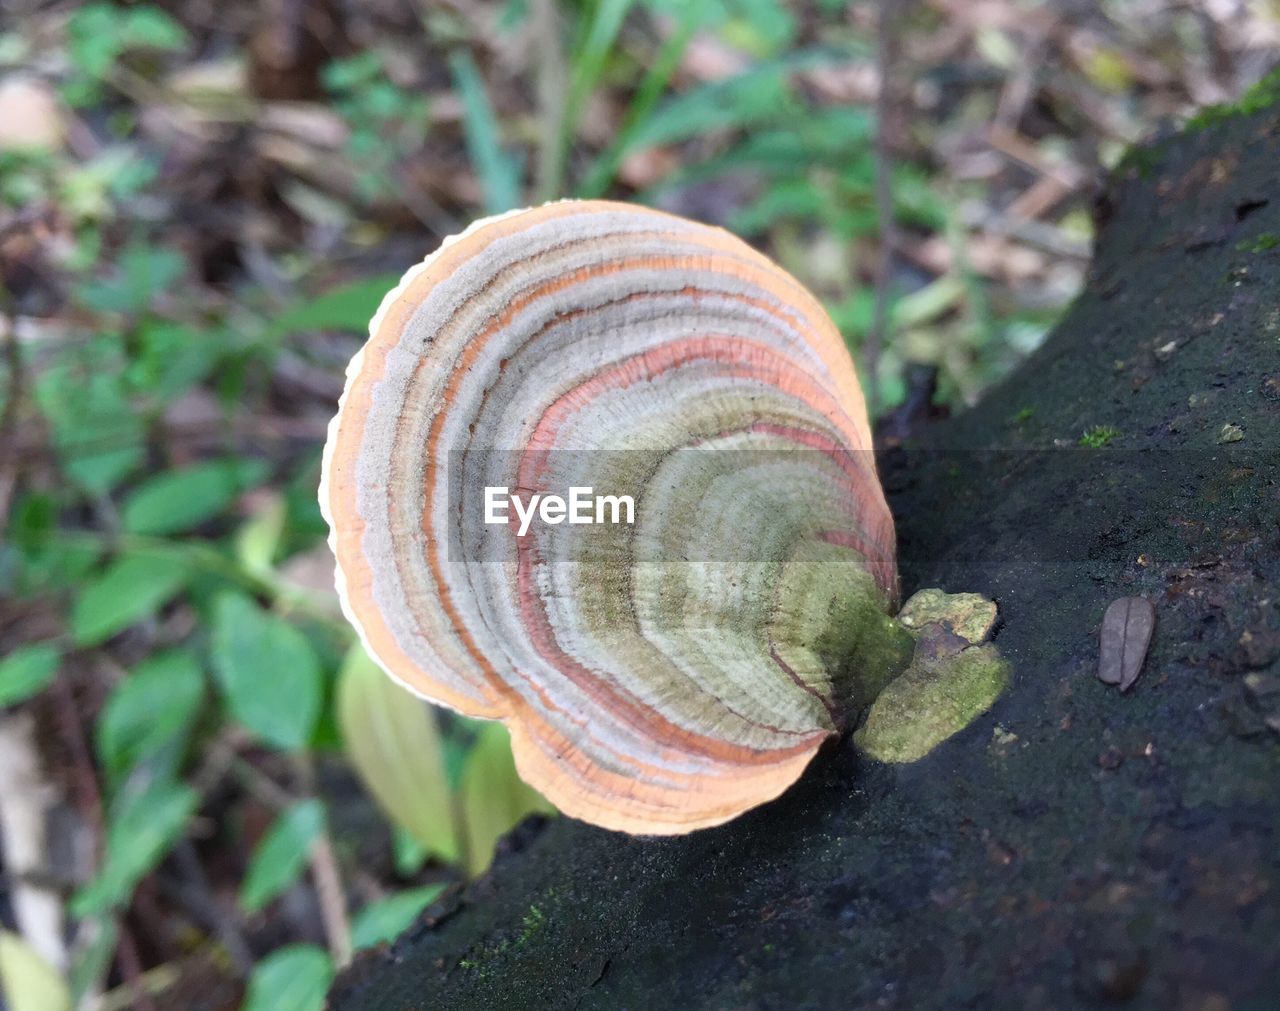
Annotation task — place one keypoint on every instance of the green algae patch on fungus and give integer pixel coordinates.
(932, 700)
(969, 615)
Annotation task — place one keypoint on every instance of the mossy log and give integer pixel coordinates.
(1074, 845)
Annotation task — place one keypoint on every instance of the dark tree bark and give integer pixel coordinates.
(1075, 845)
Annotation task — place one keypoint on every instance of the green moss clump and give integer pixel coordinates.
(1261, 96)
(1260, 244)
(1141, 159)
(1099, 436)
(530, 924)
(480, 959)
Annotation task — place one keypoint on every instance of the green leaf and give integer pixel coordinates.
(759, 95)
(26, 671)
(294, 978)
(148, 713)
(169, 359)
(99, 33)
(759, 26)
(92, 40)
(598, 34)
(29, 982)
(97, 434)
(144, 823)
(646, 97)
(786, 148)
(388, 918)
(92, 956)
(929, 304)
(303, 519)
(393, 741)
(258, 538)
(349, 73)
(147, 27)
(499, 173)
(514, 14)
(86, 190)
(177, 501)
(346, 307)
(796, 199)
(494, 797)
(407, 853)
(44, 559)
(281, 854)
(131, 588)
(589, 60)
(267, 670)
(144, 272)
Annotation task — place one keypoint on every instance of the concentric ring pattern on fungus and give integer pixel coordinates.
(656, 676)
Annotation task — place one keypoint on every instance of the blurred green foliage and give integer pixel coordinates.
(294, 978)
(159, 539)
(385, 120)
(98, 34)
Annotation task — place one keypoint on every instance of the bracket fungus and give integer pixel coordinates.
(658, 675)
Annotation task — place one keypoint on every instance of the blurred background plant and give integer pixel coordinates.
(209, 796)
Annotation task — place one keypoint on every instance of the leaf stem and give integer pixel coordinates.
(885, 52)
(553, 98)
(326, 875)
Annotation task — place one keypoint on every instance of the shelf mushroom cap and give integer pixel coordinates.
(656, 676)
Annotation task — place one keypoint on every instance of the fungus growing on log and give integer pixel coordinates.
(657, 675)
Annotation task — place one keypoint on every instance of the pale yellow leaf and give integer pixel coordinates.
(494, 797)
(393, 740)
(30, 983)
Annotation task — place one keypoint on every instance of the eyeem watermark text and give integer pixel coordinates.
(582, 506)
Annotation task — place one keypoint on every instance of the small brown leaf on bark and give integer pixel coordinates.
(1126, 634)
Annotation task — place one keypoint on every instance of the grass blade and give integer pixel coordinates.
(499, 173)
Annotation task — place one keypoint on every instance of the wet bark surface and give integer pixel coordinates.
(1075, 845)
